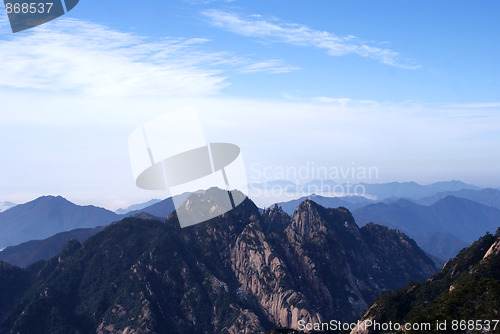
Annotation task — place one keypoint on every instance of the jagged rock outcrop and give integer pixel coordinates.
(242, 272)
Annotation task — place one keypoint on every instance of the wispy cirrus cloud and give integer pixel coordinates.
(479, 105)
(69, 55)
(301, 35)
(269, 66)
(77, 56)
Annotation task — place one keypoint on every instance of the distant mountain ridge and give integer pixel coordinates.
(29, 252)
(442, 245)
(349, 202)
(46, 216)
(136, 207)
(461, 218)
(375, 191)
(242, 272)
(161, 208)
(487, 196)
(413, 190)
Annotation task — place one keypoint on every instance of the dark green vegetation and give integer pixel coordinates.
(467, 288)
(242, 272)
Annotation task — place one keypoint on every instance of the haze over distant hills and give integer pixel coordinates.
(6, 205)
(453, 218)
(349, 202)
(412, 189)
(268, 193)
(136, 207)
(461, 217)
(487, 196)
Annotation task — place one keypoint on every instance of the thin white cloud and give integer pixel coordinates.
(325, 99)
(269, 66)
(290, 96)
(480, 105)
(69, 55)
(78, 56)
(344, 101)
(301, 35)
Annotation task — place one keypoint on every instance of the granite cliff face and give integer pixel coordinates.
(242, 272)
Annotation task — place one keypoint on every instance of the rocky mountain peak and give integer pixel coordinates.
(275, 219)
(307, 218)
(212, 203)
(311, 218)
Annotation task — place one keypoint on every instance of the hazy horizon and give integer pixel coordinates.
(330, 84)
(142, 196)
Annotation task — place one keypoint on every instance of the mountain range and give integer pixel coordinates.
(456, 218)
(375, 191)
(348, 202)
(487, 196)
(413, 190)
(46, 216)
(242, 272)
(442, 226)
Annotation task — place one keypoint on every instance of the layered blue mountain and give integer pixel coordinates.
(136, 207)
(454, 219)
(46, 216)
(412, 189)
(348, 202)
(377, 191)
(441, 245)
(488, 196)
(162, 208)
(39, 229)
(29, 252)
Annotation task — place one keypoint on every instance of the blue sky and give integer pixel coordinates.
(411, 87)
